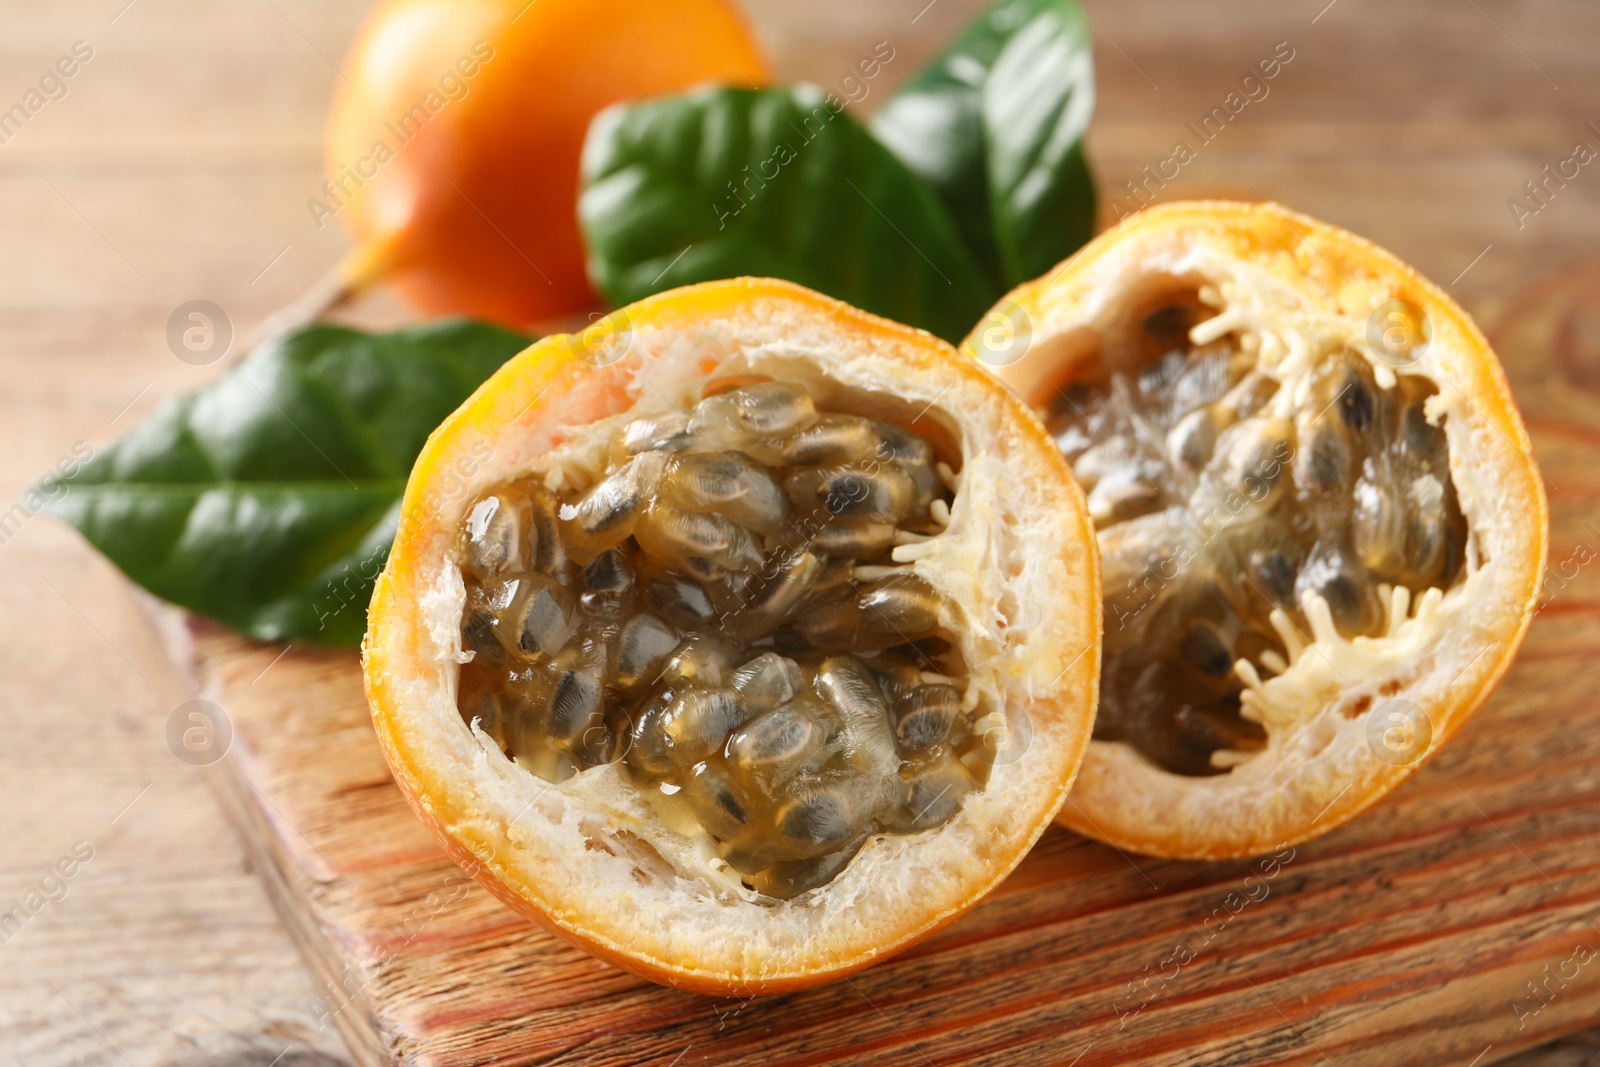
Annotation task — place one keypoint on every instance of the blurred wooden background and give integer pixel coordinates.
(177, 167)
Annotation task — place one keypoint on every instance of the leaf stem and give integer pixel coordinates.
(362, 267)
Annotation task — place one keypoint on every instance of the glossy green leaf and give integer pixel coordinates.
(268, 499)
(996, 125)
(719, 183)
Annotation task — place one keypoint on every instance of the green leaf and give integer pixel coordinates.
(268, 499)
(782, 183)
(996, 125)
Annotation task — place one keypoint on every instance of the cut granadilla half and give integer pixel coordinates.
(1320, 527)
(743, 640)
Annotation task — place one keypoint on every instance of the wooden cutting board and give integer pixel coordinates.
(1456, 923)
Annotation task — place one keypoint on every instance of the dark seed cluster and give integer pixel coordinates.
(1212, 512)
(719, 613)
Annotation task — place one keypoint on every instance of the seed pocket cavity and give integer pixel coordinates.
(719, 615)
(1220, 519)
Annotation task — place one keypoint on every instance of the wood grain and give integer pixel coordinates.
(178, 167)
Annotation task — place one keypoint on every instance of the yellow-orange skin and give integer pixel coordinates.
(537, 381)
(476, 214)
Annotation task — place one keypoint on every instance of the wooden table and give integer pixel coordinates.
(177, 167)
